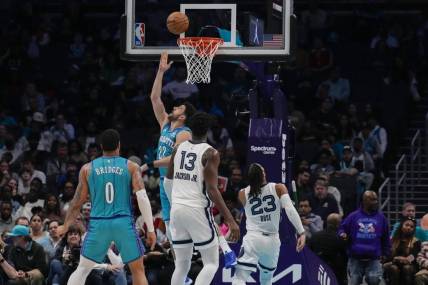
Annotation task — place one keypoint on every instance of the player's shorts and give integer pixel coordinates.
(103, 231)
(165, 203)
(192, 227)
(259, 250)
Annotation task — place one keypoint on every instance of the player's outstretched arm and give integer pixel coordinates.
(293, 216)
(80, 197)
(143, 203)
(212, 158)
(155, 96)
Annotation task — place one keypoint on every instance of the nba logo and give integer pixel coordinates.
(140, 33)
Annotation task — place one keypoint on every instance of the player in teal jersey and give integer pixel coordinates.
(110, 181)
(173, 132)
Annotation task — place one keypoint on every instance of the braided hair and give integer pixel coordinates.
(255, 179)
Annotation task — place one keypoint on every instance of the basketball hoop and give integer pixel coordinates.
(198, 53)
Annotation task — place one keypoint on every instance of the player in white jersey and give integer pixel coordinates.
(260, 248)
(192, 176)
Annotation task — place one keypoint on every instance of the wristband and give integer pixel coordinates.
(150, 165)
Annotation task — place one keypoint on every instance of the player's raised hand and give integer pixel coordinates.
(234, 231)
(301, 242)
(144, 168)
(151, 240)
(163, 64)
(61, 231)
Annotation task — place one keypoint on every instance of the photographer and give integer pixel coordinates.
(27, 260)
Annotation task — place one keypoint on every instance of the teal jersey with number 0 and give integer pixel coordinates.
(110, 187)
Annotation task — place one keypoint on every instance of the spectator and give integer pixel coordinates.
(57, 164)
(94, 151)
(179, 89)
(421, 278)
(321, 202)
(377, 140)
(22, 221)
(24, 181)
(320, 57)
(408, 210)
(54, 239)
(28, 165)
(236, 181)
(338, 87)
(67, 258)
(302, 183)
(330, 248)
(32, 100)
(324, 164)
(51, 208)
(67, 195)
(86, 213)
(76, 153)
(401, 268)
(366, 233)
(311, 222)
(218, 137)
(37, 233)
(62, 131)
(333, 191)
(26, 263)
(10, 148)
(33, 199)
(6, 219)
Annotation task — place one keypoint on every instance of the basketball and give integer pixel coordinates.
(177, 23)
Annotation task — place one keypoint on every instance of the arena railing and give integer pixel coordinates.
(400, 183)
(415, 161)
(385, 202)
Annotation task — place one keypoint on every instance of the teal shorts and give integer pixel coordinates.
(103, 231)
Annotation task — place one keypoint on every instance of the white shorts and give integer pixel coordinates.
(259, 250)
(192, 227)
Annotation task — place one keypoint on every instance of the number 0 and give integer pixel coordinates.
(109, 192)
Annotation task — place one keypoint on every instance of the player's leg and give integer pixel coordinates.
(130, 247)
(138, 272)
(268, 251)
(183, 261)
(241, 276)
(94, 249)
(210, 258)
(79, 276)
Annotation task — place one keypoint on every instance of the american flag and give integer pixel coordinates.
(272, 40)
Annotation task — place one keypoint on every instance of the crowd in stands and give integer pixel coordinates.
(63, 83)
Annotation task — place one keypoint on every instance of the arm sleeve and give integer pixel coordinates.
(114, 258)
(167, 185)
(145, 209)
(344, 226)
(292, 214)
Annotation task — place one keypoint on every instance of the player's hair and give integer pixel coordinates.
(190, 110)
(199, 124)
(255, 179)
(110, 140)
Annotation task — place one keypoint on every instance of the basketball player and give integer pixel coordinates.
(262, 202)
(107, 180)
(173, 132)
(192, 177)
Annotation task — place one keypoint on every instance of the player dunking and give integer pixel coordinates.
(192, 176)
(110, 181)
(173, 132)
(260, 248)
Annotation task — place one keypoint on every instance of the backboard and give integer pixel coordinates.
(251, 29)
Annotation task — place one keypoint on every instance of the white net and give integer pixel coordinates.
(198, 54)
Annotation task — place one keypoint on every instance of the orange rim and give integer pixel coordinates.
(203, 45)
